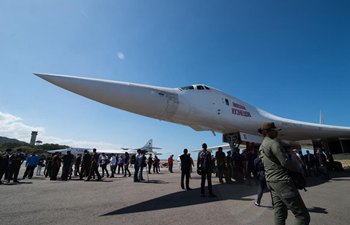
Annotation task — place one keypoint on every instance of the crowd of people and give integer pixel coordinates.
(233, 166)
(10, 164)
(82, 165)
(241, 165)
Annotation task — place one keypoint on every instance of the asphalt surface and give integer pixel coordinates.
(160, 200)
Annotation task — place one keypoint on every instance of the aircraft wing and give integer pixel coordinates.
(116, 151)
(74, 151)
(214, 148)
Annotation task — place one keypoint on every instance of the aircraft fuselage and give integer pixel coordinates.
(198, 106)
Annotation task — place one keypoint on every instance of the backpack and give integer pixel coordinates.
(133, 159)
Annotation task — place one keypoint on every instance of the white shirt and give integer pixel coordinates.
(103, 159)
(113, 160)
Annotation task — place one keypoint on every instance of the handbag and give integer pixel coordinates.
(199, 171)
(298, 179)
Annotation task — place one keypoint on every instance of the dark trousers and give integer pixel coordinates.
(170, 168)
(47, 170)
(93, 171)
(120, 166)
(262, 186)
(285, 196)
(76, 170)
(136, 173)
(84, 171)
(2, 171)
(104, 168)
(113, 167)
(65, 172)
(205, 176)
(220, 171)
(8, 174)
(15, 170)
(186, 174)
(29, 172)
(141, 173)
(54, 172)
(237, 174)
(155, 168)
(126, 169)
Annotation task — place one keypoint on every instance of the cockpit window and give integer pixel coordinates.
(198, 87)
(187, 88)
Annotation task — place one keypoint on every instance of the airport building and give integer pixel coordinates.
(33, 138)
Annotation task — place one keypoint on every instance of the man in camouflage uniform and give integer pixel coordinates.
(285, 196)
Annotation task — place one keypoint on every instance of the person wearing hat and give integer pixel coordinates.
(285, 196)
(204, 165)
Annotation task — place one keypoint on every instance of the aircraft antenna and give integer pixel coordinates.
(321, 117)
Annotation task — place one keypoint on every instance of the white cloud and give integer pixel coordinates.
(121, 55)
(12, 126)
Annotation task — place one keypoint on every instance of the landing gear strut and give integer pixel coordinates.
(233, 139)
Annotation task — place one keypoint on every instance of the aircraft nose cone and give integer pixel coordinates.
(146, 100)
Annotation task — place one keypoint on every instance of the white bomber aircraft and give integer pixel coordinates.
(200, 107)
(147, 148)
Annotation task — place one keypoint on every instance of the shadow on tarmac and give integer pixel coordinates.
(335, 176)
(318, 210)
(155, 182)
(188, 198)
(224, 192)
(19, 183)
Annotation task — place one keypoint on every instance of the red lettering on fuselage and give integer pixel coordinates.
(241, 113)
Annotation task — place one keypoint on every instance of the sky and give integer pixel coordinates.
(290, 58)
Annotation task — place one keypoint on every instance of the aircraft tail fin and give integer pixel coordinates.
(149, 144)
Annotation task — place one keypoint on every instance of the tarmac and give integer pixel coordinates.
(160, 200)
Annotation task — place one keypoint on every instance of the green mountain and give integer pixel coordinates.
(15, 144)
(11, 143)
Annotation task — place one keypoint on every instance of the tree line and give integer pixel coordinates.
(26, 148)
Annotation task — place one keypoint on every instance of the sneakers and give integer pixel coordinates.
(256, 204)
